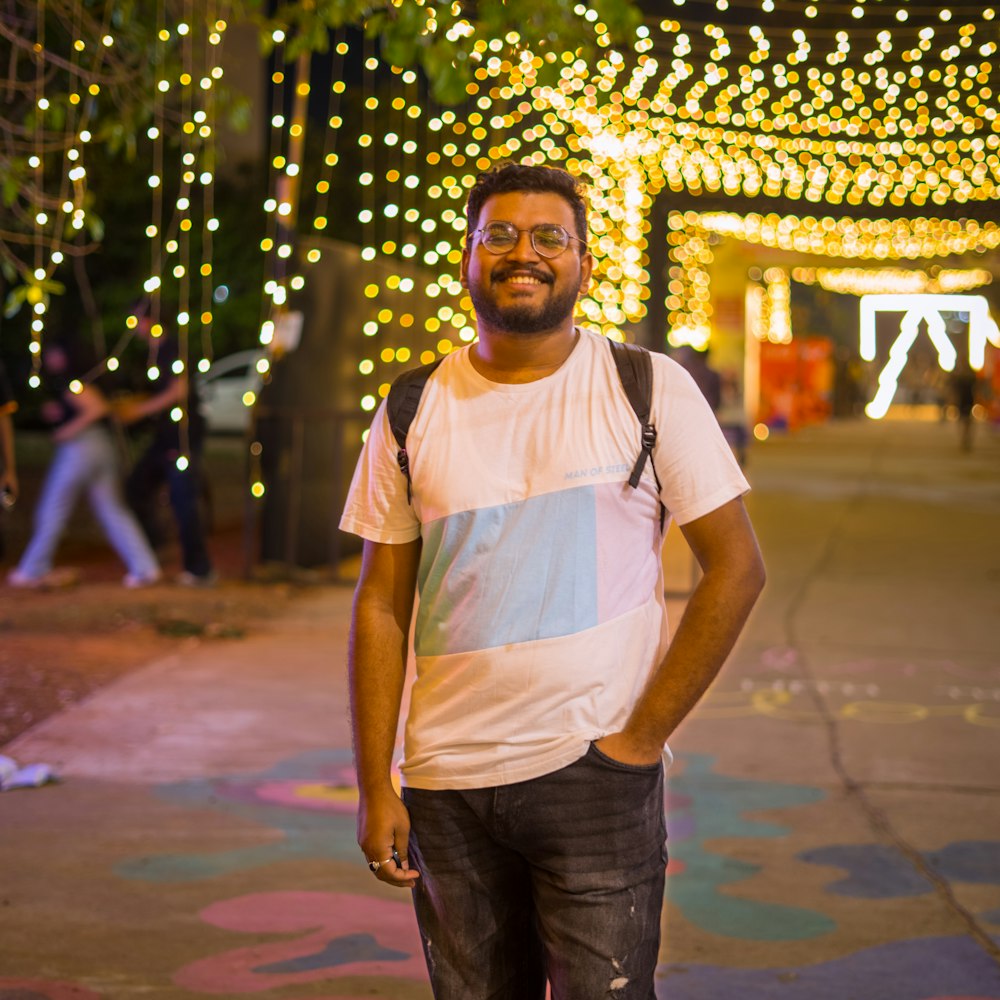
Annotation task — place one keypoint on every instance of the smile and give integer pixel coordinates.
(526, 280)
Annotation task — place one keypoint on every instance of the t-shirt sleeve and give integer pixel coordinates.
(377, 508)
(697, 469)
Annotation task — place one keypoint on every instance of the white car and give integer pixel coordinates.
(228, 391)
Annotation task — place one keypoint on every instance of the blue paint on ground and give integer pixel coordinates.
(876, 871)
(921, 969)
(307, 833)
(717, 808)
(351, 948)
(969, 861)
(879, 872)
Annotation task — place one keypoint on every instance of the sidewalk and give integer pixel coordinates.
(834, 809)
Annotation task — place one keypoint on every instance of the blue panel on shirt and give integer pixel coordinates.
(509, 574)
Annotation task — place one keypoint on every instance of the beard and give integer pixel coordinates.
(523, 319)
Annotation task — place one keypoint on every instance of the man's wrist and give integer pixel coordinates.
(628, 747)
(376, 786)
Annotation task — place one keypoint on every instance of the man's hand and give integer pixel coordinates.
(384, 831)
(129, 409)
(626, 750)
(8, 482)
(732, 576)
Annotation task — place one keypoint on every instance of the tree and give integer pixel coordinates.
(84, 82)
(448, 39)
(89, 74)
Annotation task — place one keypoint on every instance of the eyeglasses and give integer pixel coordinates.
(549, 239)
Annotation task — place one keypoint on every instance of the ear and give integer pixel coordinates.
(463, 273)
(586, 270)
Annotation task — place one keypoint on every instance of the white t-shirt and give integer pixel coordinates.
(540, 601)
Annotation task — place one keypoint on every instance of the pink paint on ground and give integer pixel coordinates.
(321, 796)
(318, 918)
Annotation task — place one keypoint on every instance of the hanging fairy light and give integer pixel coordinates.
(891, 108)
(204, 118)
(276, 161)
(183, 171)
(892, 280)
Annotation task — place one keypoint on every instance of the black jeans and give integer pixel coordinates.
(156, 466)
(558, 878)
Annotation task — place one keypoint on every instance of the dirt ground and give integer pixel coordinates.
(58, 646)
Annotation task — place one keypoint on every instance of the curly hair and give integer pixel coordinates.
(528, 178)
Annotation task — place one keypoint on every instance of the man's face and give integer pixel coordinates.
(521, 291)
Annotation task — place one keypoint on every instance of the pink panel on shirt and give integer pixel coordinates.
(628, 548)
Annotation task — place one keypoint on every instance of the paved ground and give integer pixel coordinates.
(834, 811)
(110, 630)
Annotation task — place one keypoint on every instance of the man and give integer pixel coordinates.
(8, 460)
(707, 379)
(170, 391)
(531, 827)
(964, 390)
(85, 460)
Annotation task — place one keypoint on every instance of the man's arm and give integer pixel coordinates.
(725, 546)
(383, 606)
(135, 408)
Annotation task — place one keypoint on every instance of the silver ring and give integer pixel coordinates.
(376, 865)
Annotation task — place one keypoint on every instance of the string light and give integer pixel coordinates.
(759, 111)
(184, 100)
(875, 139)
(72, 69)
(891, 280)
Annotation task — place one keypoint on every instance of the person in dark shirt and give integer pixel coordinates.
(706, 378)
(173, 455)
(85, 460)
(8, 460)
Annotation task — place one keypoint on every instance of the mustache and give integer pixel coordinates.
(502, 273)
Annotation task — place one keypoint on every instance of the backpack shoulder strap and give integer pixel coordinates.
(401, 407)
(635, 369)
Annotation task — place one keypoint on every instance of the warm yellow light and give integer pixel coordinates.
(836, 122)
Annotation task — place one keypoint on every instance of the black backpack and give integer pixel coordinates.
(634, 369)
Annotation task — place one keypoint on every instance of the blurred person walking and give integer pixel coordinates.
(708, 380)
(964, 388)
(171, 439)
(85, 461)
(722, 395)
(8, 460)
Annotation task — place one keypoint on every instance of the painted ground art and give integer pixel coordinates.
(298, 937)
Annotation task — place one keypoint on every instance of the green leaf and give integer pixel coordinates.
(15, 299)
(399, 46)
(95, 226)
(52, 287)
(448, 86)
(375, 25)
